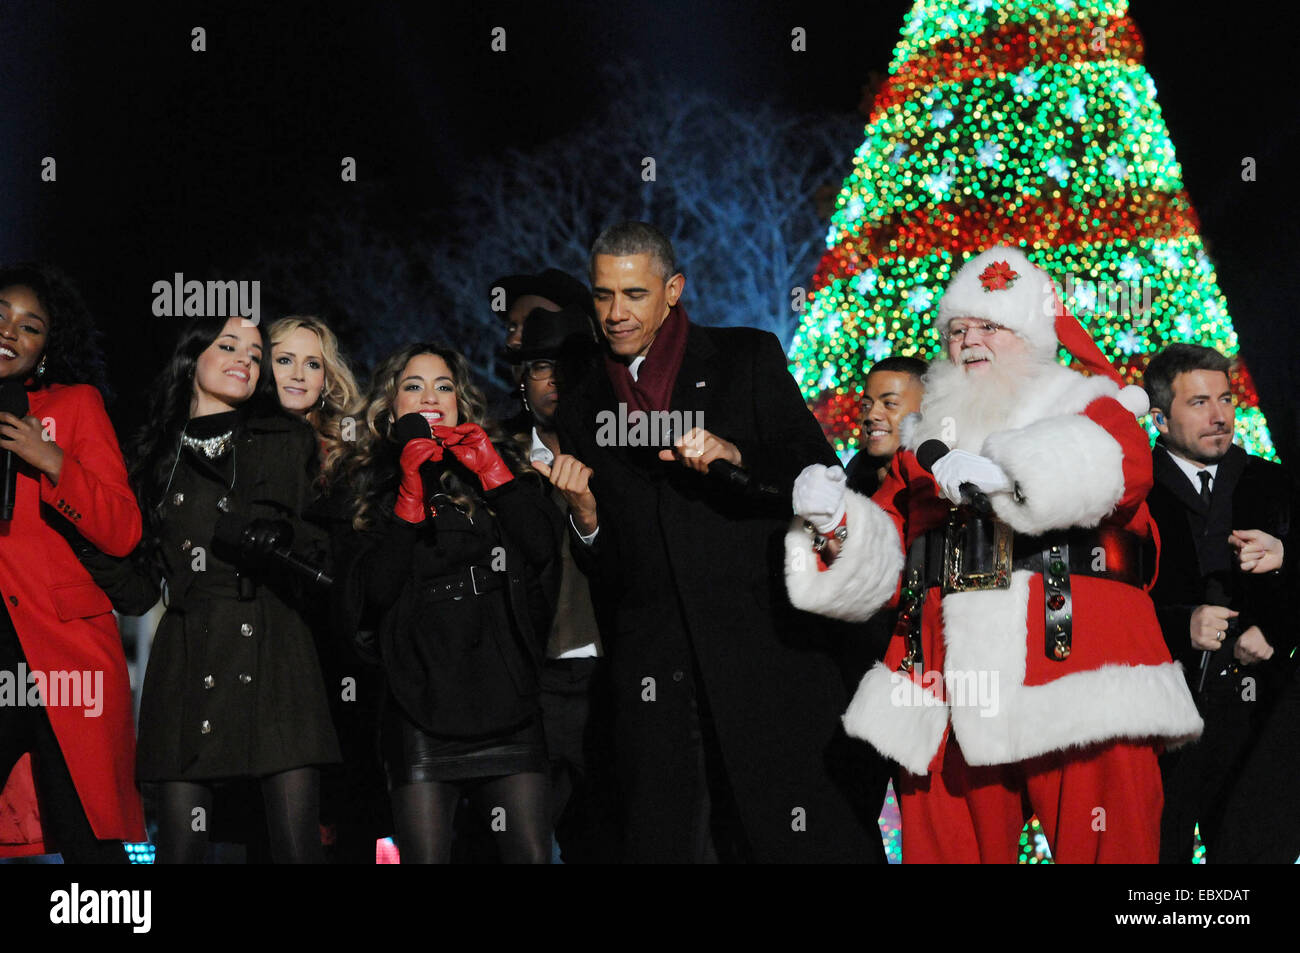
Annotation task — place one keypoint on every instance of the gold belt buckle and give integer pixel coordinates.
(955, 576)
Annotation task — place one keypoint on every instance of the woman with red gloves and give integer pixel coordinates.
(71, 748)
(451, 563)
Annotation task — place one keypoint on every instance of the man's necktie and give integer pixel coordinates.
(1204, 476)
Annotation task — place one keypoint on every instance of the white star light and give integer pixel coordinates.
(989, 153)
(1025, 82)
(827, 378)
(896, 156)
(1170, 257)
(1130, 270)
(830, 237)
(865, 282)
(1128, 341)
(1183, 325)
(940, 183)
(940, 118)
(1085, 297)
(919, 299)
(853, 211)
(980, 6)
(1077, 107)
(878, 349)
(1116, 166)
(1057, 169)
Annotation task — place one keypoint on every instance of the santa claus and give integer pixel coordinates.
(1027, 671)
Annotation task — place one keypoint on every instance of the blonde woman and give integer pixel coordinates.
(313, 380)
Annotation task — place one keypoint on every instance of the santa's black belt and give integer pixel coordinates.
(972, 553)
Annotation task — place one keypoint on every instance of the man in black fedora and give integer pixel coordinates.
(515, 297)
(574, 691)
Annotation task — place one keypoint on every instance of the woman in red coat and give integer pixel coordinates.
(67, 740)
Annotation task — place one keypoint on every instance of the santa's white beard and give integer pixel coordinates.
(962, 408)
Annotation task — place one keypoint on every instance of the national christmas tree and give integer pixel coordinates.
(1030, 123)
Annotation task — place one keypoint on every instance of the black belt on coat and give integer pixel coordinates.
(471, 581)
(970, 540)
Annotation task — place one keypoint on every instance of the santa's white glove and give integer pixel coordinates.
(957, 467)
(819, 496)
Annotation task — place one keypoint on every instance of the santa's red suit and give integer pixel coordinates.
(994, 713)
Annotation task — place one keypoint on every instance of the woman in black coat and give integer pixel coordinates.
(233, 689)
(451, 564)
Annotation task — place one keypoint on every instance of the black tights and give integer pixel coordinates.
(515, 806)
(292, 802)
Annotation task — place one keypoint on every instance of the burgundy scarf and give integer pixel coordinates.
(653, 387)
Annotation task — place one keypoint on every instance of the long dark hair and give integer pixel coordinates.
(72, 350)
(153, 452)
(370, 468)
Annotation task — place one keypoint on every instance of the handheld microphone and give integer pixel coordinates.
(229, 530)
(13, 400)
(928, 454)
(410, 427)
(739, 479)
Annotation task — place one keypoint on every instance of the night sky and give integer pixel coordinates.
(171, 160)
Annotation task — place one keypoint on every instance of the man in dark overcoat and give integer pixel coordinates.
(1222, 598)
(727, 701)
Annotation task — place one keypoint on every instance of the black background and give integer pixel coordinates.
(171, 160)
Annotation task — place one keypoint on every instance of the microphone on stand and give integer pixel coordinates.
(13, 400)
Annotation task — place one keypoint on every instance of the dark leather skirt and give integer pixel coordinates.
(412, 755)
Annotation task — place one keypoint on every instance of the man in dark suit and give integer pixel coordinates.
(727, 701)
(1224, 518)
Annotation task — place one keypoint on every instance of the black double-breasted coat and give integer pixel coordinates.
(693, 570)
(234, 686)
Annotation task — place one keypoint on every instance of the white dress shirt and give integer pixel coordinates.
(1193, 469)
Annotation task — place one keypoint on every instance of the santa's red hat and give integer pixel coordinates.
(1003, 286)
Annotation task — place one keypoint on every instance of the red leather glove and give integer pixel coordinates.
(410, 505)
(469, 443)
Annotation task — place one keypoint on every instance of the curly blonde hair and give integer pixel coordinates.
(341, 396)
(370, 466)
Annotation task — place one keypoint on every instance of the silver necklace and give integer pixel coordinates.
(210, 447)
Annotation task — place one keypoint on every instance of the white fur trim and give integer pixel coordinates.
(907, 430)
(1027, 306)
(898, 717)
(1069, 470)
(861, 579)
(985, 636)
(1134, 399)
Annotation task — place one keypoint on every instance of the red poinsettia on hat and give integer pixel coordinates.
(997, 276)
